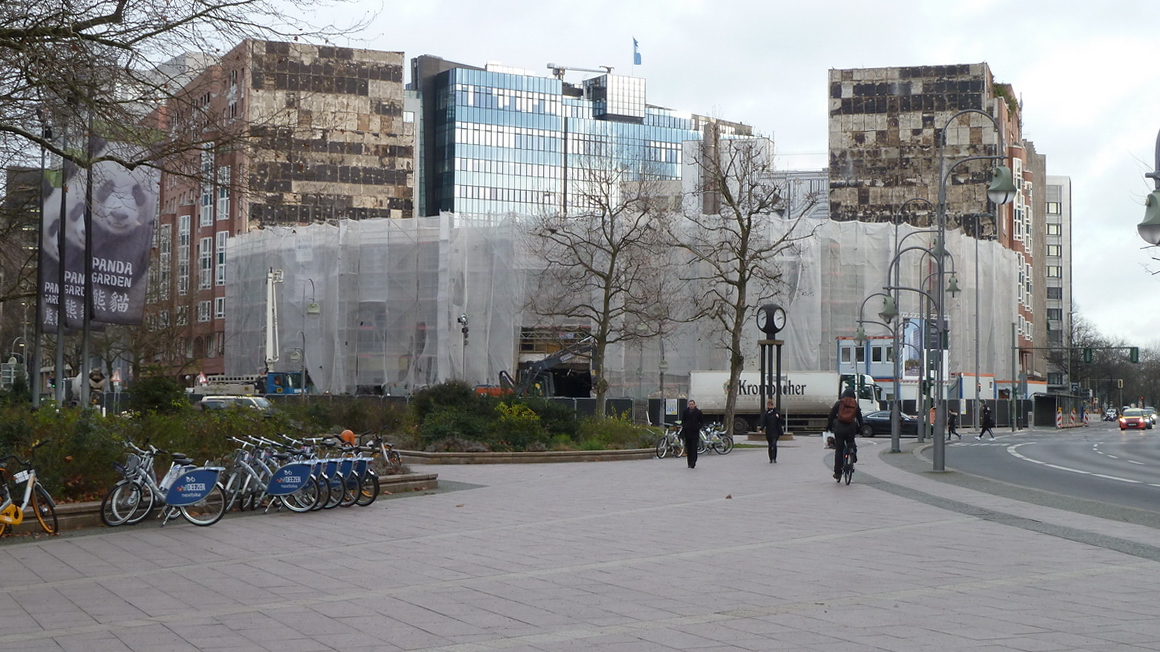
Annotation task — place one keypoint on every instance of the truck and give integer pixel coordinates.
(272, 382)
(806, 397)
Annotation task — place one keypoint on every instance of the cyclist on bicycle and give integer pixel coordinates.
(845, 422)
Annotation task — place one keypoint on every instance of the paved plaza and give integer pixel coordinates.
(634, 556)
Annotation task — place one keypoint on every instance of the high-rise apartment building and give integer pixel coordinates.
(1057, 266)
(503, 140)
(294, 134)
(885, 129)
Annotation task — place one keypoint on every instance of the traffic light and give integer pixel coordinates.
(1087, 355)
(1134, 354)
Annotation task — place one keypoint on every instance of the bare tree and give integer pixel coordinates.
(604, 259)
(100, 60)
(731, 234)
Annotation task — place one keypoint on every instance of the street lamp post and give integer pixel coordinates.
(1001, 191)
(888, 313)
(1149, 229)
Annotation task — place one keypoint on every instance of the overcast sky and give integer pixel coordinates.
(1085, 72)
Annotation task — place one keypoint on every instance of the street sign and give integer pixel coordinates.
(116, 376)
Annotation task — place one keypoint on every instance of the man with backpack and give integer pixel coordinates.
(845, 422)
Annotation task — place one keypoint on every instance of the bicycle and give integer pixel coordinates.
(186, 489)
(35, 496)
(848, 464)
(670, 443)
(713, 437)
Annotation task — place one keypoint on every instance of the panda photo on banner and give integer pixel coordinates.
(124, 213)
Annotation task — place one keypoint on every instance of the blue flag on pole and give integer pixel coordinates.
(635, 52)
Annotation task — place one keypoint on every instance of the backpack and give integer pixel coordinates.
(847, 409)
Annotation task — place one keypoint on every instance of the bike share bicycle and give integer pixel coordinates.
(35, 495)
(186, 489)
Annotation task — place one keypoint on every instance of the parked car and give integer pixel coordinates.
(878, 423)
(223, 402)
(1135, 418)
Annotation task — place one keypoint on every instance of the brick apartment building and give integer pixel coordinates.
(294, 134)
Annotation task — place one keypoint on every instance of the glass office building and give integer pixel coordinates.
(503, 141)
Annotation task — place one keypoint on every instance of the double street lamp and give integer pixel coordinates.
(1001, 191)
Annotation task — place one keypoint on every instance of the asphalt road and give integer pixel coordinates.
(1095, 470)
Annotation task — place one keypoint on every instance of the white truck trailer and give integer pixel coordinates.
(806, 397)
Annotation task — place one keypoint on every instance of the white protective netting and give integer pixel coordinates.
(390, 292)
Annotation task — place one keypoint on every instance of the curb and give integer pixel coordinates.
(76, 516)
(422, 457)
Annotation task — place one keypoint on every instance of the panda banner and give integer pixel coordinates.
(123, 216)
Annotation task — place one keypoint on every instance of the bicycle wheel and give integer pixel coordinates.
(662, 447)
(233, 488)
(120, 503)
(208, 510)
(395, 460)
(336, 492)
(723, 445)
(44, 508)
(369, 490)
(848, 471)
(323, 492)
(304, 499)
(144, 507)
(351, 488)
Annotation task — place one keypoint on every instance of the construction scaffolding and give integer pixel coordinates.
(390, 294)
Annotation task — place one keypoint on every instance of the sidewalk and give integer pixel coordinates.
(632, 556)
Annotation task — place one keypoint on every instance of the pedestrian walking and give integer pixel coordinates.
(691, 422)
(772, 425)
(988, 423)
(953, 425)
(845, 422)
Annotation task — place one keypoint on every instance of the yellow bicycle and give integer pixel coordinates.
(35, 496)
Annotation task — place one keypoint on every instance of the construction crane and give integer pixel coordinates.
(559, 71)
(537, 372)
(273, 277)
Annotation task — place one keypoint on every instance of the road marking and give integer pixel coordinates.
(1015, 453)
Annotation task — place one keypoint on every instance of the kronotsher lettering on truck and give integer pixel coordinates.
(806, 396)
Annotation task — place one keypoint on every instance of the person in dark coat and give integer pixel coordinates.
(844, 432)
(771, 423)
(988, 422)
(953, 425)
(691, 422)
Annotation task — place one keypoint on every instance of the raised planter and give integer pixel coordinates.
(74, 516)
(422, 457)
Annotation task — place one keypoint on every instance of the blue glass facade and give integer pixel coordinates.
(506, 142)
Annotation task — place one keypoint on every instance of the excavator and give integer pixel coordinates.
(535, 380)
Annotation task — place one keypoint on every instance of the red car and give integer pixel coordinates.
(1135, 418)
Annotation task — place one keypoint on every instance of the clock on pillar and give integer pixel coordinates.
(771, 318)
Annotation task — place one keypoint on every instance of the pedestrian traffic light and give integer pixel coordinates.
(1134, 354)
(1087, 355)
